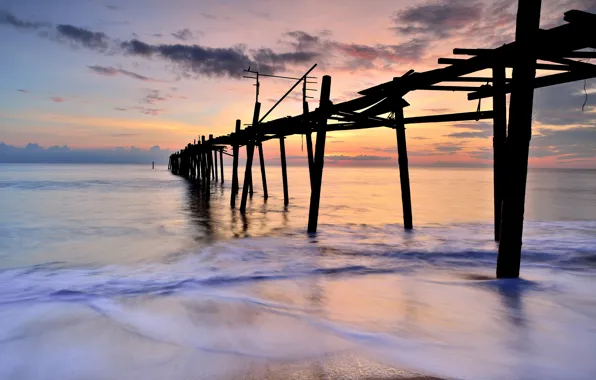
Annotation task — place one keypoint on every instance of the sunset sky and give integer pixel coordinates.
(101, 74)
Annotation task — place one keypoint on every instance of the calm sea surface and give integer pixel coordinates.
(123, 272)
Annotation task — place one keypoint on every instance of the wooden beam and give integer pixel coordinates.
(539, 82)
(539, 66)
(449, 117)
(250, 151)
(449, 88)
(460, 51)
(317, 180)
(580, 54)
(518, 139)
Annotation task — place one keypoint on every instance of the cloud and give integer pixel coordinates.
(57, 99)
(437, 20)
(7, 18)
(270, 61)
(565, 144)
(352, 56)
(184, 34)
(562, 104)
(358, 158)
(112, 7)
(111, 71)
(83, 37)
(34, 153)
(449, 148)
(477, 130)
(23, 91)
(194, 58)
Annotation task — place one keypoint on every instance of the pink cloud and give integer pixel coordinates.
(57, 99)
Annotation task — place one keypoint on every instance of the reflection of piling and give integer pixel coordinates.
(153, 165)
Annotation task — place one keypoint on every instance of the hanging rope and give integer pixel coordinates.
(302, 148)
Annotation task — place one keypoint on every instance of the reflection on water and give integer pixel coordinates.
(133, 273)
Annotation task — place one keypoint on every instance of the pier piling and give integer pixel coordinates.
(518, 138)
(250, 150)
(319, 158)
(284, 172)
(235, 151)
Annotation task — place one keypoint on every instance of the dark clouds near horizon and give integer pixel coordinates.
(34, 153)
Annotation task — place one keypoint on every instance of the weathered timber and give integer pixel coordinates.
(404, 173)
(499, 144)
(235, 151)
(518, 139)
(539, 66)
(221, 164)
(284, 172)
(215, 164)
(250, 150)
(210, 157)
(263, 172)
(319, 158)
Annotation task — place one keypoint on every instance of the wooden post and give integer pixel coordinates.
(263, 173)
(404, 173)
(518, 138)
(284, 172)
(317, 177)
(309, 152)
(204, 160)
(250, 151)
(215, 164)
(210, 157)
(499, 142)
(221, 164)
(235, 149)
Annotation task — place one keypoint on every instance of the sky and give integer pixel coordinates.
(93, 77)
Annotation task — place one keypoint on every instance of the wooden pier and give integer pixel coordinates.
(555, 51)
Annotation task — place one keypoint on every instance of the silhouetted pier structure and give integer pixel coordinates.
(554, 51)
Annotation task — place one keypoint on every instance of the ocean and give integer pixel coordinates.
(124, 272)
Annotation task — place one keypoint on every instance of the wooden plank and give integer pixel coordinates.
(463, 116)
(539, 66)
(539, 82)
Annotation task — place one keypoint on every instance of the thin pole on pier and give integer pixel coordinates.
(210, 157)
(263, 173)
(250, 151)
(221, 164)
(404, 173)
(215, 164)
(204, 160)
(499, 142)
(284, 172)
(235, 149)
(309, 152)
(317, 177)
(518, 138)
